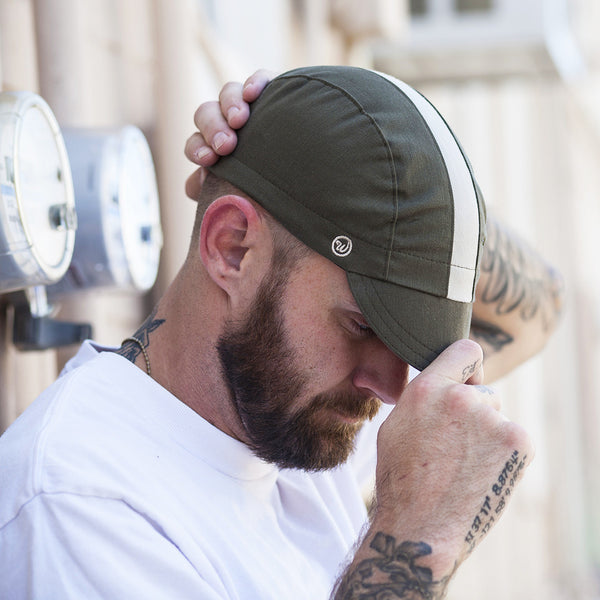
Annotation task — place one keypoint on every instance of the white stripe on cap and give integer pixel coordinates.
(465, 244)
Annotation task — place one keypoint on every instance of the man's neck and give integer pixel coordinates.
(180, 337)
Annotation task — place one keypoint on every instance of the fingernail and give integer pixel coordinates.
(219, 139)
(249, 87)
(234, 110)
(202, 153)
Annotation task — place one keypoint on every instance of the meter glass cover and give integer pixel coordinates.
(140, 214)
(41, 183)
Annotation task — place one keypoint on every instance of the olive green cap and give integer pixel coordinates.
(362, 168)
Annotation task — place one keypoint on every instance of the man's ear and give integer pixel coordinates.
(232, 238)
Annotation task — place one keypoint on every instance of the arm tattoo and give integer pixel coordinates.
(491, 337)
(130, 350)
(517, 279)
(393, 573)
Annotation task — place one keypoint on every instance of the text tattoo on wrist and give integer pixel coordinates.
(494, 504)
(393, 573)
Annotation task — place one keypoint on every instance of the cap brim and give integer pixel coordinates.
(416, 326)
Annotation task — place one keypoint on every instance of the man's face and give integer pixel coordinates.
(291, 370)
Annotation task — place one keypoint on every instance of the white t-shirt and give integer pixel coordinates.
(112, 488)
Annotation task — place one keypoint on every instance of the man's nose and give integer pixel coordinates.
(380, 372)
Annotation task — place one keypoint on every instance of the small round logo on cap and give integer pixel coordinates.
(341, 245)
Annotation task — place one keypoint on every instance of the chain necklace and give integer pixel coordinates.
(139, 343)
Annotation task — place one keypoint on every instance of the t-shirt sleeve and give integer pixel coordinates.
(73, 546)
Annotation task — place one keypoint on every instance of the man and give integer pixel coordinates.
(519, 296)
(215, 454)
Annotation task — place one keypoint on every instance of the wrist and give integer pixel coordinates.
(399, 566)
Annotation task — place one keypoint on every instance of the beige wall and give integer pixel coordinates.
(529, 156)
(535, 143)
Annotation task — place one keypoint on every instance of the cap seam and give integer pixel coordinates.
(448, 184)
(232, 158)
(476, 190)
(432, 260)
(408, 343)
(390, 155)
(364, 241)
(440, 155)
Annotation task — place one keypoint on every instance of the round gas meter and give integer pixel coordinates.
(37, 209)
(119, 238)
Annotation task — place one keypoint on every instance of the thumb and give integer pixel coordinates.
(461, 362)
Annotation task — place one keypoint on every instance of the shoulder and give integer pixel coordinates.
(59, 442)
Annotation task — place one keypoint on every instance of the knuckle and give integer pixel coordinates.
(469, 345)
(263, 74)
(515, 436)
(470, 350)
(209, 119)
(194, 141)
(205, 107)
(459, 398)
(489, 396)
(232, 89)
(423, 387)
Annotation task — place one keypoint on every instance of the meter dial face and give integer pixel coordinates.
(41, 186)
(37, 210)
(139, 208)
(119, 237)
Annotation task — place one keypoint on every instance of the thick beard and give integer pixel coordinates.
(258, 366)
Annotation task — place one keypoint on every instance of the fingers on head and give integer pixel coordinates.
(256, 83)
(234, 108)
(217, 120)
(214, 131)
(198, 151)
(194, 182)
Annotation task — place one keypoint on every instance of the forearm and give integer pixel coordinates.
(447, 466)
(518, 301)
(390, 559)
(384, 564)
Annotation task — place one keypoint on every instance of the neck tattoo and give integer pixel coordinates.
(139, 343)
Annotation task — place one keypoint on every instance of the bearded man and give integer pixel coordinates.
(218, 453)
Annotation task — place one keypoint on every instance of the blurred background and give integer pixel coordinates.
(518, 81)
